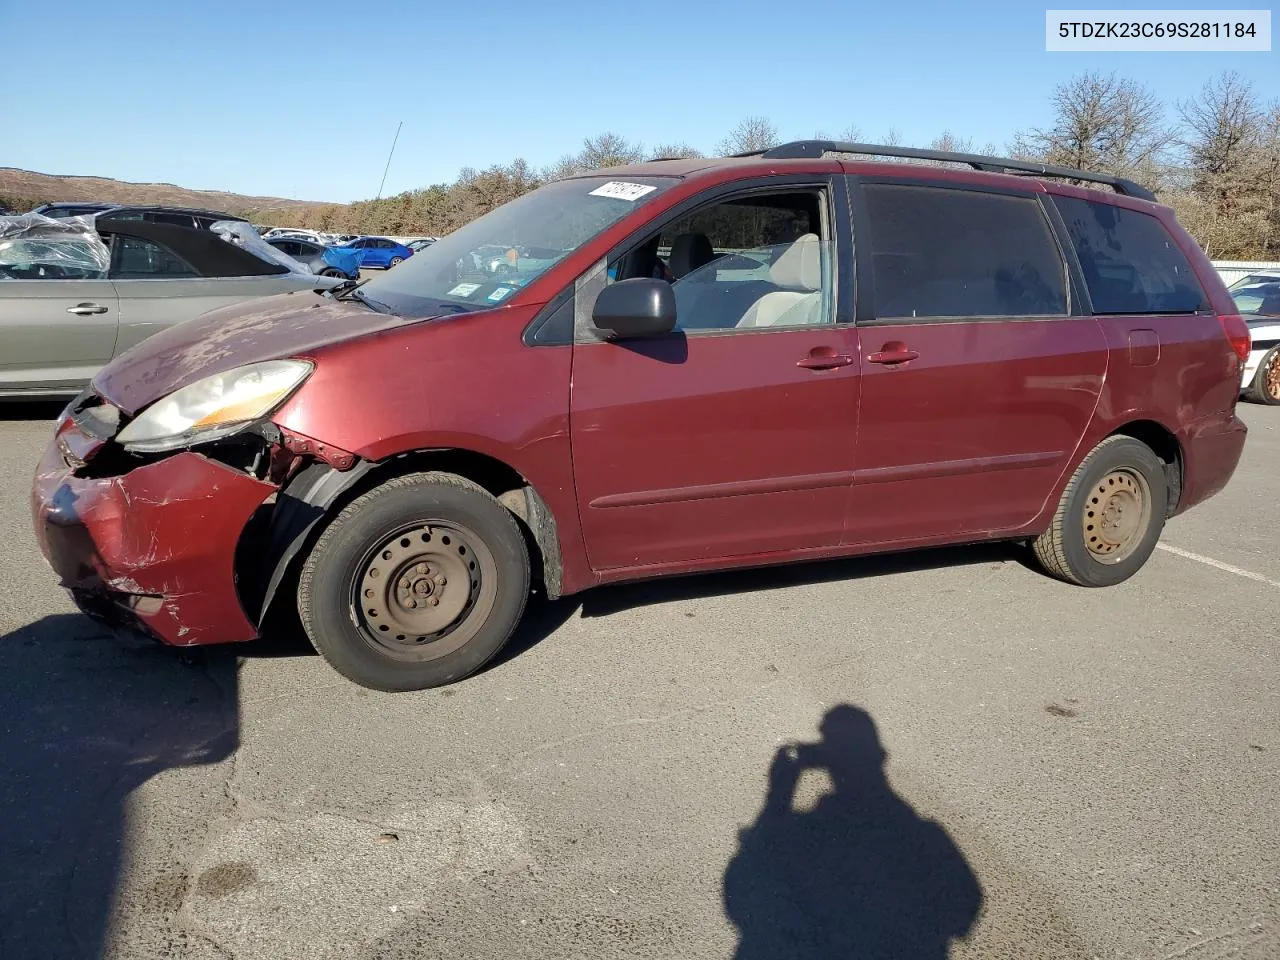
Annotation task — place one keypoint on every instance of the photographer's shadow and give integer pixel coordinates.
(860, 874)
(89, 716)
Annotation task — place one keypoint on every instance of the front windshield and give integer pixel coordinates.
(485, 262)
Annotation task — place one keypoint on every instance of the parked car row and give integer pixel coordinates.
(375, 252)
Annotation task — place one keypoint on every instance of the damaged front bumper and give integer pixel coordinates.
(153, 547)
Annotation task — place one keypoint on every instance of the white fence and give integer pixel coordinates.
(1233, 270)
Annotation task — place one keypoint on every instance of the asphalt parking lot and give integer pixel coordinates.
(1069, 773)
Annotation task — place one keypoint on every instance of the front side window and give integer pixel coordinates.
(943, 252)
(51, 258)
(763, 260)
(1130, 263)
(484, 263)
(137, 259)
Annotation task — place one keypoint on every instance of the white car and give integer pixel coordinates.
(1259, 303)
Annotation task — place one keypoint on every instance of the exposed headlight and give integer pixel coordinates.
(214, 407)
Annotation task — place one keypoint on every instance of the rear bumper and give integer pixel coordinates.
(153, 548)
(1212, 452)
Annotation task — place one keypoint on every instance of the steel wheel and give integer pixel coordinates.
(1117, 515)
(420, 586)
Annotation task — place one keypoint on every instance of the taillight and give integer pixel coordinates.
(1237, 333)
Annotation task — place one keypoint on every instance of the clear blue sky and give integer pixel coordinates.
(245, 96)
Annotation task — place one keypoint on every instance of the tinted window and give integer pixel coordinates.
(753, 262)
(307, 249)
(1130, 263)
(941, 252)
(137, 258)
(177, 219)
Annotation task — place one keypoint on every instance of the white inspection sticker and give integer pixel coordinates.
(620, 190)
(463, 290)
(498, 294)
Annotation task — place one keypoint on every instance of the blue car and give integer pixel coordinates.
(378, 251)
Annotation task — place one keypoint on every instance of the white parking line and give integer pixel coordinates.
(1229, 568)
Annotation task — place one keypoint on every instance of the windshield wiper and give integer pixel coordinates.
(372, 304)
(338, 289)
(349, 290)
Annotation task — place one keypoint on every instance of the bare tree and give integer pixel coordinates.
(668, 151)
(1230, 144)
(1269, 177)
(753, 133)
(1101, 123)
(949, 142)
(608, 150)
(1221, 127)
(851, 134)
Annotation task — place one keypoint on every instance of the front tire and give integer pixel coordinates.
(1109, 518)
(1265, 387)
(415, 584)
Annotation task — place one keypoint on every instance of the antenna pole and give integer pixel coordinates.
(388, 166)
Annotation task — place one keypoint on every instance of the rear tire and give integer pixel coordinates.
(1109, 518)
(395, 261)
(415, 584)
(1265, 387)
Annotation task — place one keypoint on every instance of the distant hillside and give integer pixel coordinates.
(24, 189)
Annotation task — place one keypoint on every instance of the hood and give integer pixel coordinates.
(268, 328)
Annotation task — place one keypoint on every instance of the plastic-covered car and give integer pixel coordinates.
(324, 260)
(76, 293)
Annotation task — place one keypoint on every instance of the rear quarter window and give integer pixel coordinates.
(1130, 262)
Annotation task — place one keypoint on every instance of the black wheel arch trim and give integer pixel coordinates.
(300, 505)
(309, 497)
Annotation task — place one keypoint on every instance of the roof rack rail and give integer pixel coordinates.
(812, 149)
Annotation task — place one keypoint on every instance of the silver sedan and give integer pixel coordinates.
(74, 294)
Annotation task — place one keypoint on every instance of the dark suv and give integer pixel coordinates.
(688, 365)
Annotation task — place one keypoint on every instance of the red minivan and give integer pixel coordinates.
(679, 366)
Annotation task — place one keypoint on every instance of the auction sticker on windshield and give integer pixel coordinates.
(463, 290)
(620, 190)
(499, 293)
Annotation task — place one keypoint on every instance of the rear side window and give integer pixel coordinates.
(940, 252)
(138, 259)
(1130, 263)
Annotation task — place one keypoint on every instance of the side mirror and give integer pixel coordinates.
(635, 308)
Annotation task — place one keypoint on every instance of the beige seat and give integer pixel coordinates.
(799, 271)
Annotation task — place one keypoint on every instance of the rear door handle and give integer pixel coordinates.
(821, 360)
(86, 309)
(892, 354)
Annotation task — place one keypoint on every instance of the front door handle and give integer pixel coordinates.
(86, 309)
(894, 352)
(824, 358)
